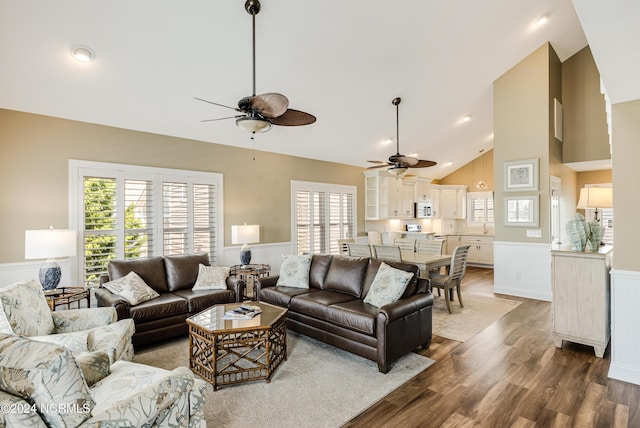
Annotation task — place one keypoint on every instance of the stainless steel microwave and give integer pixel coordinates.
(422, 209)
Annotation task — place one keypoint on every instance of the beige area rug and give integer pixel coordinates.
(317, 386)
(478, 313)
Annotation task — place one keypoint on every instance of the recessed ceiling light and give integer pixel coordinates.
(82, 53)
(465, 119)
(413, 155)
(541, 20)
(447, 164)
(387, 141)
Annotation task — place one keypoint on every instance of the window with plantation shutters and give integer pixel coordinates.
(322, 214)
(480, 209)
(125, 211)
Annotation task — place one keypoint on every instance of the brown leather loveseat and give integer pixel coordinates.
(333, 310)
(172, 277)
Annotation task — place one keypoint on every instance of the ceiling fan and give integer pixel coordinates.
(259, 112)
(398, 164)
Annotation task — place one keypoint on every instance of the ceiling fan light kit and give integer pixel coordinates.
(260, 112)
(398, 164)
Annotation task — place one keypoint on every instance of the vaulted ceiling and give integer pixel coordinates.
(343, 61)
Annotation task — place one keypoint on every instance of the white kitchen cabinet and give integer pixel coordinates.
(453, 241)
(581, 297)
(387, 196)
(435, 201)
(423, 190)
(480, 249)
(453, 202)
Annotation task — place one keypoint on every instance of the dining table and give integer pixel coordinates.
(426, 261)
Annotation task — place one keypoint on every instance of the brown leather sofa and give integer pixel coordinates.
(333, 310)
(172, 277)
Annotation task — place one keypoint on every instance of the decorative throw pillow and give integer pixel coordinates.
(132, 288)
(211, 278)
(26, 309)
(46, 375)
(387, 286)
(95, 366)
(294, 271)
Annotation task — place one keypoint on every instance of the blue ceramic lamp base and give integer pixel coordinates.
(50, 274)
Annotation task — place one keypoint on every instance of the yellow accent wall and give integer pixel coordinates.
(470, 174)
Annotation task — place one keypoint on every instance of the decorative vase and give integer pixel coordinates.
(595, 237)
(578, 231)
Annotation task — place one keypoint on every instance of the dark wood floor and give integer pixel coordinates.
(509, 375)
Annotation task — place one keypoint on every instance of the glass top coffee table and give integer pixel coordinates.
(227, 352)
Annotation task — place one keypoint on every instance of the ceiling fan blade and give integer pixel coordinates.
(293, 118)
(223, 118)
(378, 166)
(381, 162)
(270, 104)
(409, 161)
(217, 104)
(424, 164)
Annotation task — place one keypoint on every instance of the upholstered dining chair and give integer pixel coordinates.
(359, 250)
(375, 237)
(451, 280)
(387, 253)
(406, 244)
(433, 246)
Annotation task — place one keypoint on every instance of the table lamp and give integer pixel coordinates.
(49, 244)
(594, 198)
(245, 234)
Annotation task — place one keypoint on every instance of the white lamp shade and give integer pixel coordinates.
(49, 243)
(245, 233)
(595, 197)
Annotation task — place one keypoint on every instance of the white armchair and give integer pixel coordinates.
(24, 311)
(44, 385)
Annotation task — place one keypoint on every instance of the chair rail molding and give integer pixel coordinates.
(625, 318)
(11, 273)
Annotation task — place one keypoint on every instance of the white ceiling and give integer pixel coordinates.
(343, 61)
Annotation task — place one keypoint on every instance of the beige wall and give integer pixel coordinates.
(626, 175)
(585, 122)
(34, 155)
(470, 174)
(594, 177)
(522, 130)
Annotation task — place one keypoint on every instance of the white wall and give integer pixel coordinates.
(14, 272)
(625, 319)
(522, 269)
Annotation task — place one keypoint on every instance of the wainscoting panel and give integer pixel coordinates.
(14, 272)
(625, 319)
(270, 254)
(522, 269)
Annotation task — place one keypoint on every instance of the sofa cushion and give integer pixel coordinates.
(354, 315)
(26, 309)
(388, 286)
(46, 375)
(294, 271)
(168, 304)
(281, 296)
(372, 270)
(346, 275)
(318, 272)
(315, 304)
(211, 278)
(199, 300)
(150, 269)
(132, 288)
(94, 366)
(182, 270)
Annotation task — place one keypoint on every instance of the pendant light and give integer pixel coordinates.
(481, 184)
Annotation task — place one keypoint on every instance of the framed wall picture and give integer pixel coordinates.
(521, 175)
(521, 210)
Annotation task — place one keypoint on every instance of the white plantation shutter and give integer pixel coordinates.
(322, 213)
(124, 211)
(480, 207)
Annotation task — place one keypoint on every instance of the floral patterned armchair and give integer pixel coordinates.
(45, 385)
(24, 311)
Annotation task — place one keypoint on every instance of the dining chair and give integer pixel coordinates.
(433, 246)
(359, 250)
(447, 282)
(387, 253)
(375, 237)
(342, 245)
(406, 244)
(389, 238)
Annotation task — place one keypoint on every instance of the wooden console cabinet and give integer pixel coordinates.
(581, 297)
